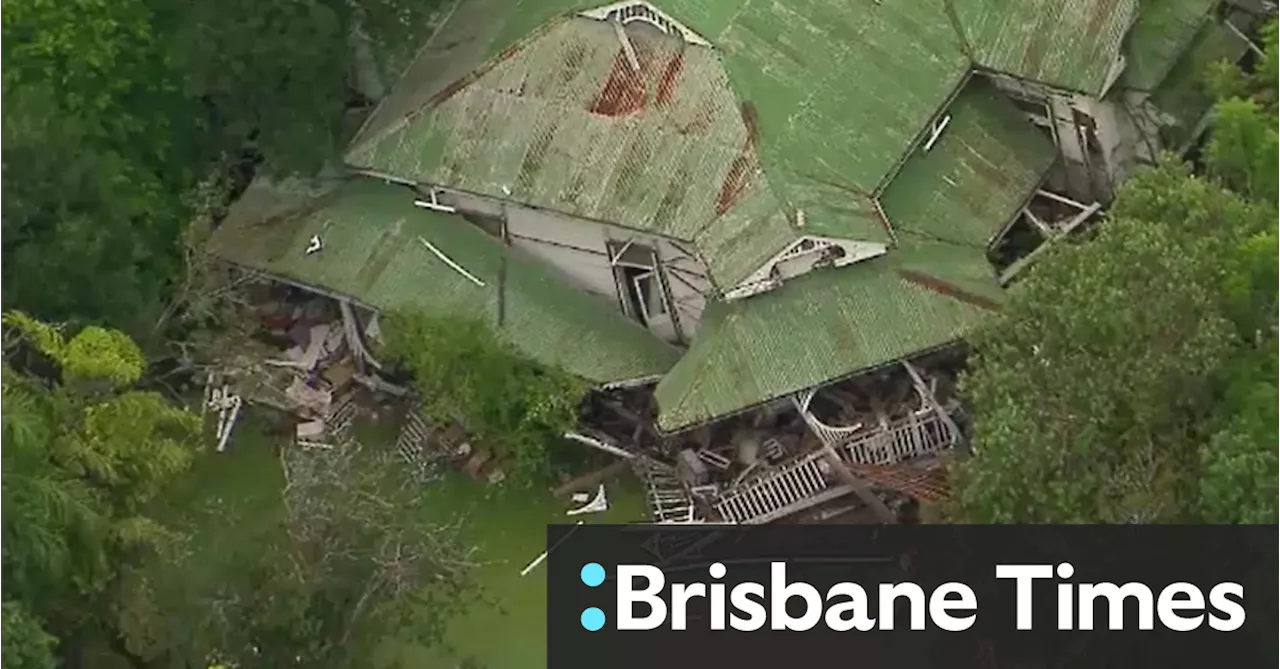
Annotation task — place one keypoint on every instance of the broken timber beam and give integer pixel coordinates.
(1022, 263)
(927, 394)
(859, 486)
(596, 443)
(592, 479)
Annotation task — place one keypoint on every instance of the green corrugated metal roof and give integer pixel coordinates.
(929, 289)
(1158, 37)
(975, 177)
(1183, 95)
(371, 252)
(819, 328)
(1069, 44)
(801, 106)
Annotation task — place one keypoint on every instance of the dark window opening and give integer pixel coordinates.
(493, 225)
(1032, 107)
(635, 270)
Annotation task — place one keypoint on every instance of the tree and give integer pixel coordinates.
(85, 452)
(361, 560)
(1132, 376)
(463, 372)
(26, 644)
(116, 109)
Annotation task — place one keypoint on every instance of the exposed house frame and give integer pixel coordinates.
(643, 291)
(1051, 232)
(433, 202)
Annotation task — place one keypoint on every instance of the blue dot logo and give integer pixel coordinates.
(592, 574)
(592, 618)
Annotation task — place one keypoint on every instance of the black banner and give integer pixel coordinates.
(659, 596)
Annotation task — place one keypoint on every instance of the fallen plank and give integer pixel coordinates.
(592, 479)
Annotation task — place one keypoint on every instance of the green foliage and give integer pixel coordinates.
(1243, 140)
(1238, 482)
(1080, 399)
(26, 644)
(361, 560)
(81, 462)
(92, 170)
(1132, 376)
(50, 516)
(114, 110)
(1095, 387)
(463, 372)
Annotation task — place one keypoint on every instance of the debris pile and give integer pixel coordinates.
(875, 437)
(305, 359)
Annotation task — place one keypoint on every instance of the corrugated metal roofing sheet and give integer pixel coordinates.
(1159, 36)
(821, 327)
(562, 121)
(371, 252)
(974, 179)
(1068, 44)
(930, 288)
(1183, 94)
(569, 125)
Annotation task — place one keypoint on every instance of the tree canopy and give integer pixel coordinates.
(84, 454)
(1131, 377)
(116, 109)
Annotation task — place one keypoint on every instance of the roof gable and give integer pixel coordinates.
(565, 121)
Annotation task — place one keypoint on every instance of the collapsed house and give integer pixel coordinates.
(741, 205)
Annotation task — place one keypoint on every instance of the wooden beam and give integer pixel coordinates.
(592, 479)
(927, 394)
(1022, 263)
(1061, 198)
(596, 443)
(859, 486)
(1257, 51)
(1044, 230)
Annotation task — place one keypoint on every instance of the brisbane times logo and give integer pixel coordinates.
(646, 600)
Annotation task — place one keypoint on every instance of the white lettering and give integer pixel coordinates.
(1115, 596)
(717, 570)
(717, 606)
(1168, 605)
(940, 604)
(1023, 574)
(890, 592)
(781, 592)
(681, 593)
(753, 609)
(857, 605)
(1233, 609)
(628, 597)
(1066, 616)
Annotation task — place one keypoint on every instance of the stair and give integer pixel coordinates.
(340, 420)
(669, 502)
(413, 445)
(795, 487)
